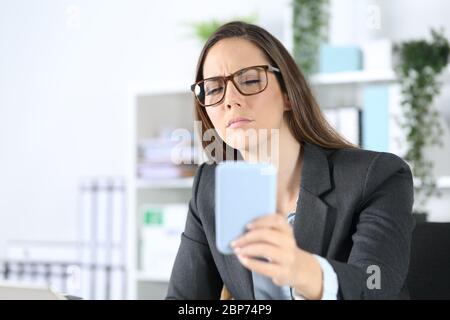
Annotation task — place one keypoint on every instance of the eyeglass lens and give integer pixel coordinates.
(249, 81)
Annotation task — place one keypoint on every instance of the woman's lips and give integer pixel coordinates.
(240, 123)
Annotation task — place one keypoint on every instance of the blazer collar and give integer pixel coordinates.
(315, 172)
(312, 226)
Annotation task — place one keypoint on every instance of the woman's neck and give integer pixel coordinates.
(287, 160)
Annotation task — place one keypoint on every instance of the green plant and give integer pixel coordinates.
(310, 19)
(419, 64)
(202, 30)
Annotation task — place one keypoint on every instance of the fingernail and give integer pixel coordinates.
(233, 243)
(237, 250)
(249, 225)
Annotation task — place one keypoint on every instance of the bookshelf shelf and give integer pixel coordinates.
(354, 77)
(362, 77)
(180, 183)
(148, 277)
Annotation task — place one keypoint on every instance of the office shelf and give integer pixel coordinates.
(354, 77)
(180, 183)
(362, 77)
(148, 277)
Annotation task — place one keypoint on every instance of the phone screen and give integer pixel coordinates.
(243, 192)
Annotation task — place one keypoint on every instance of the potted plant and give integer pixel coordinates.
(419, 63)
(309, 22)
(202, 30)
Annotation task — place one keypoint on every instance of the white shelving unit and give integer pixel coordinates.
(151, 113)
(344, 89)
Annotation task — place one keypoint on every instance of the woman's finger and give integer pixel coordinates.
(270, 270)
(270, 252)
(275, 221)
(265, 235)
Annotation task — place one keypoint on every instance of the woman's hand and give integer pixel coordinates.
(272, 237)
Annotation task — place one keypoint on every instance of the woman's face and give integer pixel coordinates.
(264, 110)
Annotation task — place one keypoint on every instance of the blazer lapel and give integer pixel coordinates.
(310, 225)
(241, 287)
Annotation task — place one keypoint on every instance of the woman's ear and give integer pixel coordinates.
(287, 103)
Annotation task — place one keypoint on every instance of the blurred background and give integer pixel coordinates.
(91, 201)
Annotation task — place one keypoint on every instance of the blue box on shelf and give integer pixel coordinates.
(339, 58)
(375, 120)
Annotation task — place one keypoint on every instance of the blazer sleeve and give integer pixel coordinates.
(194, 274)
(383, 233)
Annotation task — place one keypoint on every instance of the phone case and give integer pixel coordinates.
(243, 192)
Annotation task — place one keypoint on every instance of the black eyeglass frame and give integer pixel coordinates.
(231, 77)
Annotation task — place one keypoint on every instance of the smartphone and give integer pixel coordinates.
(243, 192)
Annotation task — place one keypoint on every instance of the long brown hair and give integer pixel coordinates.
(306, 121)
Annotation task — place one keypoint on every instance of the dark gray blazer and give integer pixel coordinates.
(354, 209)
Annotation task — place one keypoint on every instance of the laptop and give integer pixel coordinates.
(15, 291)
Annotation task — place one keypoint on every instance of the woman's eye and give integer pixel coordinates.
(250, 82)
(213, 91)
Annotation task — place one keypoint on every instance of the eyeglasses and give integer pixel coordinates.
(248, 81)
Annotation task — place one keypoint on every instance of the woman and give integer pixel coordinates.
(343, 224)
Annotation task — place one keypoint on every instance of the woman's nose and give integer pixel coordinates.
(232, 95)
